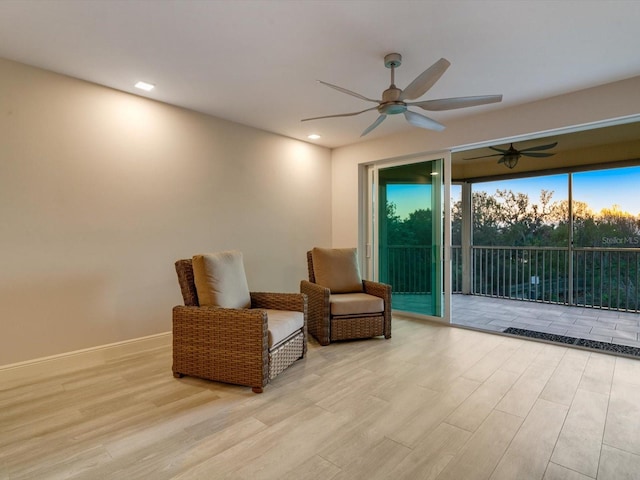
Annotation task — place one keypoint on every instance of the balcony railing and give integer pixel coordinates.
(605, 278)
(522, 273)
(408, 268)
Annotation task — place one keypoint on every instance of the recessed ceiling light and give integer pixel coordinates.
(147, 87)
(313, 136)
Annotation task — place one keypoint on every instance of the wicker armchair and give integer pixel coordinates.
(328, 324)
(232, 344)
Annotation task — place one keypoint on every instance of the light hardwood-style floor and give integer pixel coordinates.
(433, 402)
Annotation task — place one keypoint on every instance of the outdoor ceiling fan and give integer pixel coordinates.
(511, 155)
(394, 99)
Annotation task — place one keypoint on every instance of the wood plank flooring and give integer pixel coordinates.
(433, 402)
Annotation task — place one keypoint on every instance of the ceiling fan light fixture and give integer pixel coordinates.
(392, 108)
(511, 160)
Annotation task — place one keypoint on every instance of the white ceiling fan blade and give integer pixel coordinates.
(348, 92)
(457, 102)
(378, 121)
(421, 121)
(425, 80)
(339, 115)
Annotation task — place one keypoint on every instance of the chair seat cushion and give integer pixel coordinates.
(355, 303)
(281, 324)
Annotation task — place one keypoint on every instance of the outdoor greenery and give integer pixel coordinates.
(408, 250)
(528, 256)
(510, 218)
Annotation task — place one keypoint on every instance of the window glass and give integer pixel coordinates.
(606, 208)
(521, 212)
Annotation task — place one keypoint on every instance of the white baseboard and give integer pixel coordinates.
(31, 370)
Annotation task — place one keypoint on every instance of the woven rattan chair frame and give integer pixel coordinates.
(327, 328)
(231, 345)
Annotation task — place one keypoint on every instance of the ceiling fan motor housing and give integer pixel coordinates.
(391, 104)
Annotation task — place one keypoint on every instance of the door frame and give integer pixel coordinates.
(368, 224)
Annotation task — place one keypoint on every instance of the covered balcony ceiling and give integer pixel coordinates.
(588, 148)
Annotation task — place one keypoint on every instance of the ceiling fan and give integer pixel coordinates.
(511, 155)
(394, 99)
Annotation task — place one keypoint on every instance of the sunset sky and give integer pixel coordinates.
(599, 189)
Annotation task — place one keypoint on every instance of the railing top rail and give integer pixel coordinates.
(575, 249)
(410, 246)
(495, 247)
(606, 249)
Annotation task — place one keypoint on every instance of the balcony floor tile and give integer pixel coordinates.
(496, 314)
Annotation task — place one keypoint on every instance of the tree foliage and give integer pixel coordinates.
(413, 230)
(508, 218)
(511, 219)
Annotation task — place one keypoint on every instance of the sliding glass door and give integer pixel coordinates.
(409, 234)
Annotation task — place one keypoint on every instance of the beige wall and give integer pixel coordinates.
(587, 106)
(101, 191)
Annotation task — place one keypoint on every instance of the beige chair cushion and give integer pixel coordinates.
(281, 324)
(355, 304)
(220, 280)
(337, 269)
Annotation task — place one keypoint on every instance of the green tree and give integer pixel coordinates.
(509, 218)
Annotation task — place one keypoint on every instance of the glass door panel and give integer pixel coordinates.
(410, 238)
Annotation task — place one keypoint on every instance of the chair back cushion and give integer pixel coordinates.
(220, 280)
(337, 269)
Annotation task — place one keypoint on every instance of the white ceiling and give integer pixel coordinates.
(257, 62)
